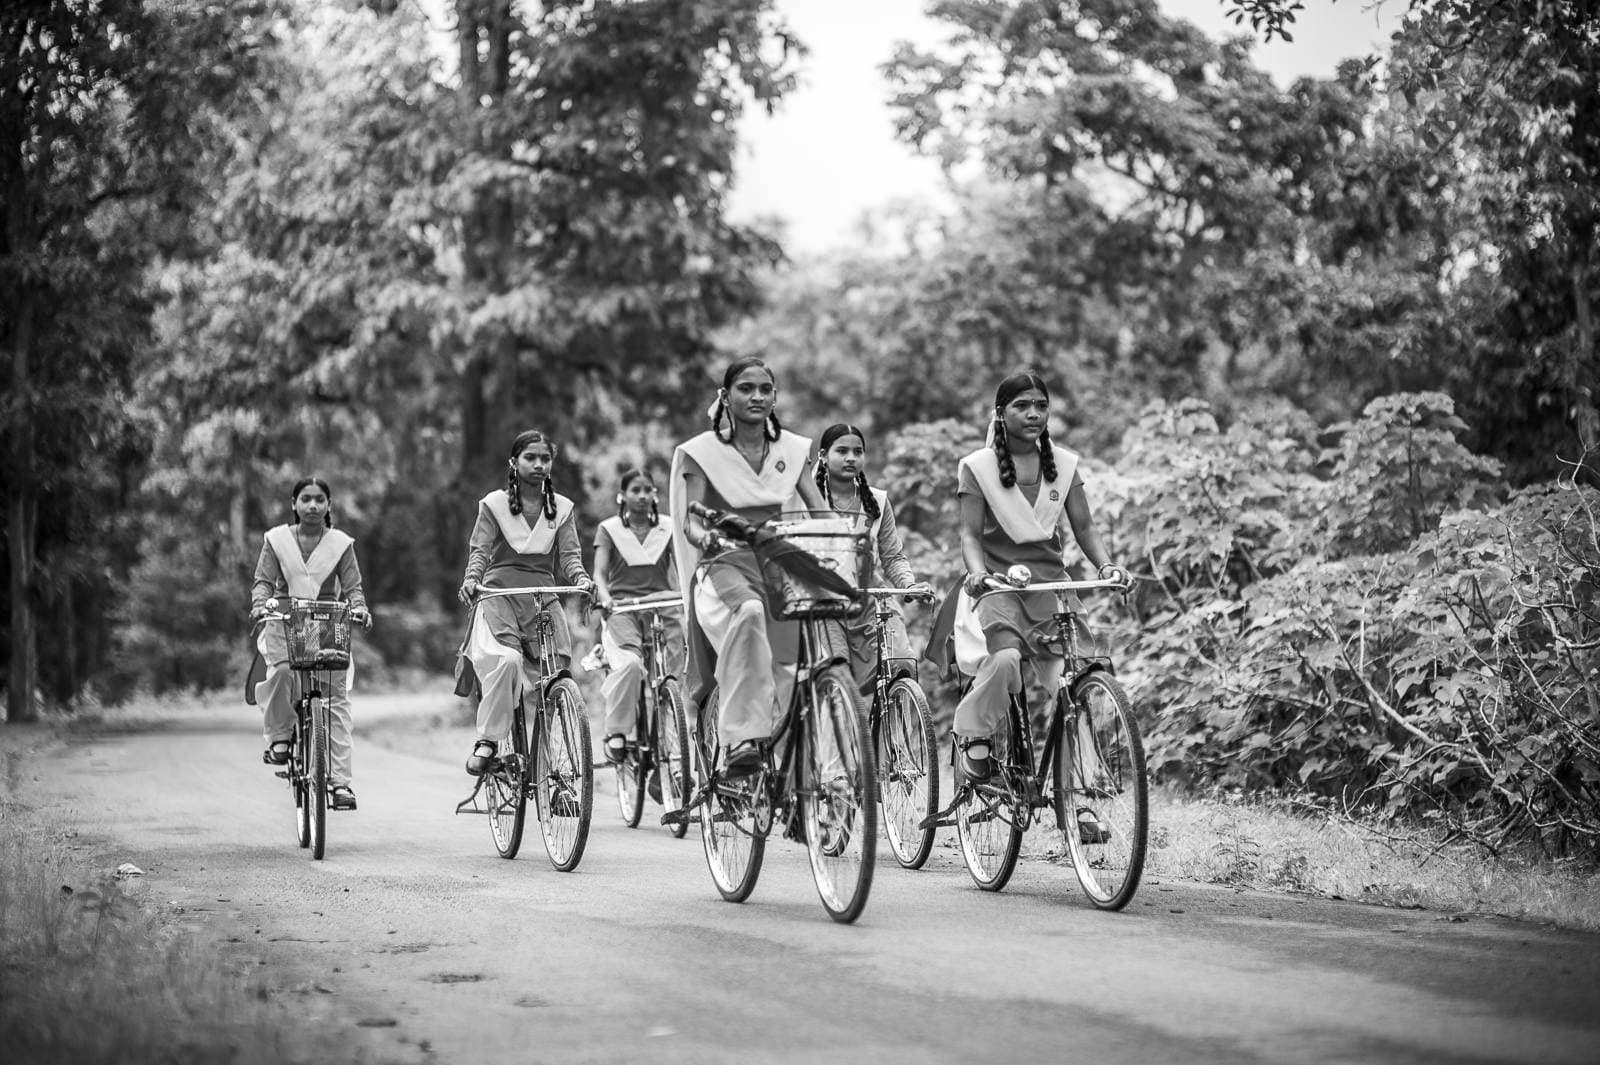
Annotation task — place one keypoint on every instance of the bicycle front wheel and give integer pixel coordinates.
(299, 773)
(733, 840)
(506, 786)
(991, 819)
(837, 796)
(672, 752)
(1103, 792)
(634, 769)
(908, 774)
(563, 775)
(317, 782)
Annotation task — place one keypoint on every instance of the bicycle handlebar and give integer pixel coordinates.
(275, 609)
(554, 589)
(903, 593)
(994, 583)
(646, 602)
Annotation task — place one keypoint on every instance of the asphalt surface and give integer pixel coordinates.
(445, 952)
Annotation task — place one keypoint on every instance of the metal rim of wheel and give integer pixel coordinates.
(987, 824)
(837, 802)
(1107, 788)
(318, 784)
(733, 845)
(634, 769)
(297, 784)
(564, 776)
(506, 787)
(672, 752)
(908, 772)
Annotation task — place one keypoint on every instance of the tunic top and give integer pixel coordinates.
(329, 572)
(638, 567)
(523, 550)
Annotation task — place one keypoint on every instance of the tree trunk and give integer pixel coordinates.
(22, 525)
(1585, 402)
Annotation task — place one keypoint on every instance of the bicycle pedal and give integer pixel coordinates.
(282, 774)
(675, 817)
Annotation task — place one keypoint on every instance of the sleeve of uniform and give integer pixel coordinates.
(892, 552)
(480, 544)
(268, 576)
(350, 579)
(569, 553)
(602, 535)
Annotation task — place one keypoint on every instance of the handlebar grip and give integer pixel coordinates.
(703, 512)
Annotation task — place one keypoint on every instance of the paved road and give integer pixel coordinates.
(413, 919)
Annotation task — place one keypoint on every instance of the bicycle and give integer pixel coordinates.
(660, 743)
(545, 755)
(815, 778)
(317, 633)
(903, 740)
(1093, 759)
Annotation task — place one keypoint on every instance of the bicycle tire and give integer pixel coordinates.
(733, 844)
(908, 772)
(672, 752)
(297, 779)
(506, 783)
(1108, 859)
(318, 783)
(988, 824)
(838, 798)
(634, 769)
(563, 775)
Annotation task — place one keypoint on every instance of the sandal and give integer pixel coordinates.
(277, 752)
(483, 753)
(342, 797)
(616, 748)
(976, 767)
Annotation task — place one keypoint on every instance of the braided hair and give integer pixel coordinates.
(301, 485)
(830, 436)
(514, 483)
(1010, 389)
(772, 429)
(628, 478)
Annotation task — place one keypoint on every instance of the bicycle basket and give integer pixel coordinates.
(319, 635)
(814, 566)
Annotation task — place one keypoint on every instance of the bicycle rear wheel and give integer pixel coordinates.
(733, 841)
(908, 773)
(1103, 792)
(317, 784)
(672, 752)
(990, 820)
(563, 775)
(634, 770)
(506, 786)
(298, 772)
(837, 797)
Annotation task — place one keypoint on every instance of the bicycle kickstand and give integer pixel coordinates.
(472, 801)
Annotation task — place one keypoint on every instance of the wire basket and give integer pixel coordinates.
(814, 565)
(318, 635)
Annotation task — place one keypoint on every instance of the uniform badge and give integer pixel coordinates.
(781, 466)
(1055, 494)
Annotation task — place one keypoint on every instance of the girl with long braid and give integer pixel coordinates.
(841, 477)
(525, 532)
(305, 559)
(1014, 493)
(747, 464)
(631, 558)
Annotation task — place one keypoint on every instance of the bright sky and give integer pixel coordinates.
(829, 154)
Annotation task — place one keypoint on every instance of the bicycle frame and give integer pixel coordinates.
(884, 613)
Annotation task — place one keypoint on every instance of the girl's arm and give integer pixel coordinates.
(602, 566)
(1083, 530)
(694, 491)
(480, 545)
(569, 554)
(972, 514)
(268, 576)
(892, 552)
(809, 492)
(350, 585)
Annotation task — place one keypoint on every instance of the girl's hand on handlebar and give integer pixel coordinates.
(586, 584)
(921, 590)
(363, 617)
(1113, 572)
(975, 584)
(468, 591)
(259, 611)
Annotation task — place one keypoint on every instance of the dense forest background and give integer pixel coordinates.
(1329, 349)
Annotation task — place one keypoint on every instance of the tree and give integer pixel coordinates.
(104, 115)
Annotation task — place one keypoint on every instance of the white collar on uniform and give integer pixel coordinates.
(636, 552)
(306, 576)
(526, 537)
(1022, 522)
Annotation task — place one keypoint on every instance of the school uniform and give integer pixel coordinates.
(638, 567)
(283, 571)
(994, 635)
(732, 643)
(861, 633)
(509, 550)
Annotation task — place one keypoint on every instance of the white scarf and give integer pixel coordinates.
(636, 552)
(1022, 522)
(524, 537)
(306, 576)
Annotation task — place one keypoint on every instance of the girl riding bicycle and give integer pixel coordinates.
(524, 533)
(842, 480)
(631, 558)
(1014, 493)
(745, 464)
(306, 558)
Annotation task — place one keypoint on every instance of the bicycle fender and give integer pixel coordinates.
(550, 681)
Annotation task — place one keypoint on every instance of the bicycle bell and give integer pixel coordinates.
(1019, 575)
